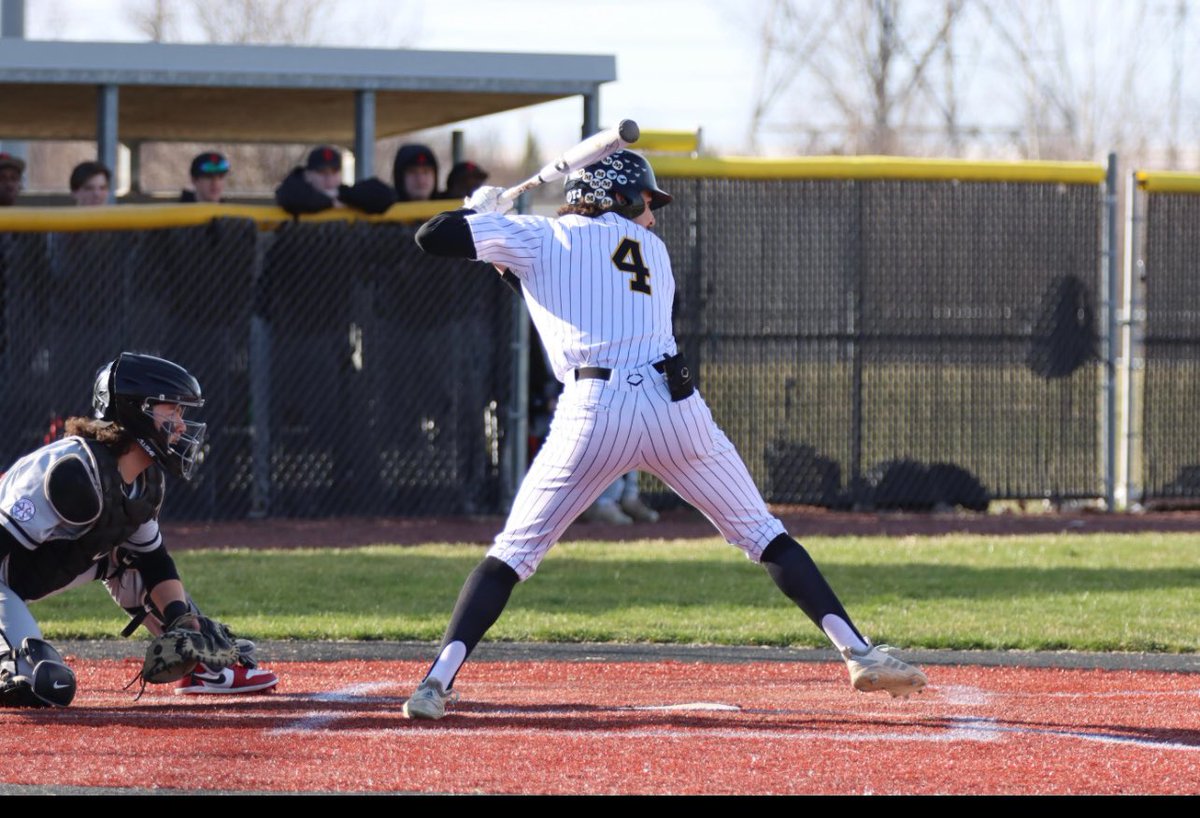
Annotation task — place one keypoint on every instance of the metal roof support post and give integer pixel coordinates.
(135, 167)
(591, 112)
(106, 132)
(364, 135)
(12, 18)
(456, 147)
(12, 24)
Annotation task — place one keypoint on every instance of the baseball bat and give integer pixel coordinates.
(593, 149)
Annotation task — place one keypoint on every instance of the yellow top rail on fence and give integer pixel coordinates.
(1168, 181)
(879, 168)
(156, 216)
(668, 141)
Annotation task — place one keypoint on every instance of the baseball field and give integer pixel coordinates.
(1059, 662)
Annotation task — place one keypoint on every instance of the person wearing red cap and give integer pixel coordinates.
(463, 180)
(415, 173)
(317, 186)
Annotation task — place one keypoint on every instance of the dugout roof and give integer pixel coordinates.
(235, 93)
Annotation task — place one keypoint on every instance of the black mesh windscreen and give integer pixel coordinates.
(893, 342)
(344, 371)
(1171, 377)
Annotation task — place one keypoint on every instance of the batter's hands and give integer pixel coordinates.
(487, 199)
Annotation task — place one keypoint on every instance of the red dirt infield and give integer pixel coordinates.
(622, 727)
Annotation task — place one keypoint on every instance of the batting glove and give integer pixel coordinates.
(487, 199)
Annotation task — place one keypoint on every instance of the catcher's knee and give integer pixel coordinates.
(50, 684)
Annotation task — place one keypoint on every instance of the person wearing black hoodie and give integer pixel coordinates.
(318, 186)
(415, 173)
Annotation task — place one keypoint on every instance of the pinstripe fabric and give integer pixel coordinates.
(592, 311)
(582, 305)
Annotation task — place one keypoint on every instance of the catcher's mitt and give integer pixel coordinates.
(188, 641)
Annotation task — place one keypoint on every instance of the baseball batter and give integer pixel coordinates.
(599, 287)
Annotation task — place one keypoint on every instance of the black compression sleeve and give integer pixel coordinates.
(447, 234)
(155, 566)
(480, 602)
(795, 573)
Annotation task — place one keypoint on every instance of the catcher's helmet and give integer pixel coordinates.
(126, 392)
(616, 183)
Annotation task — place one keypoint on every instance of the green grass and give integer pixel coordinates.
(1098, 592)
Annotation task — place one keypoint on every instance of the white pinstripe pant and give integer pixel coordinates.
(605, 428)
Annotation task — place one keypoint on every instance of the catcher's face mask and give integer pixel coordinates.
(181, 440)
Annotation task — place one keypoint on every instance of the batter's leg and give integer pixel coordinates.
(588, 446)
(795, 573)
(691, 454)
(480, 603)
(591, 443)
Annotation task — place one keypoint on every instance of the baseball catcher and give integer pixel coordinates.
(86, 508)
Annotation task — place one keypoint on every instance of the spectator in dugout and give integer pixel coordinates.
(90, 183)
(415, 173)
(208, 172)
(12, 170)
(463, 180)
(317, 186)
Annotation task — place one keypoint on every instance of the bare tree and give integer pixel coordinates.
(864, 70)
(262, 22)
(157, 19)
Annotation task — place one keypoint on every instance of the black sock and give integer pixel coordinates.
(480, 603)
(794, 571)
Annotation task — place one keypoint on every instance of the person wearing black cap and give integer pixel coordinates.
(209, 170)
(12, 168)
(463, 180)
(318, 186)
(415, 173)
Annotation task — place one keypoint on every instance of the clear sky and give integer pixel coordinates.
(682, 64)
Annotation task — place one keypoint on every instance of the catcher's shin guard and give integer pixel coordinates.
(51, 684)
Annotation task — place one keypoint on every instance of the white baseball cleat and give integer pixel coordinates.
(878, 670)
(429, 701)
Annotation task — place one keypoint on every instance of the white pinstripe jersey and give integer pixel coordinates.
(599, 290)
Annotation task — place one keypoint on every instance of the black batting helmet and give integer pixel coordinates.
(126, 391)
(616, 183)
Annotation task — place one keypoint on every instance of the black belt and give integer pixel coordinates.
(603, 373)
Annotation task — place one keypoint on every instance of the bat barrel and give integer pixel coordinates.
(629, 131)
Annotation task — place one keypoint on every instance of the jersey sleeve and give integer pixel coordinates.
(511, 242)
(147, 538)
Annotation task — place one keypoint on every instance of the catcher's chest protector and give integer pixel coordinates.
(122, 515)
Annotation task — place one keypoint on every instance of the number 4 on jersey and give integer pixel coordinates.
(628, 259)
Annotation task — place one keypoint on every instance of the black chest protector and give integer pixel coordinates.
(34, 574)
(121, 515)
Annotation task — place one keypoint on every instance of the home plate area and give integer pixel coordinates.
(627, 727)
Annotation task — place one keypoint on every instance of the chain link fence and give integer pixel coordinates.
(344, 371)
(865, 342)
(890, 343)
(1170, 373)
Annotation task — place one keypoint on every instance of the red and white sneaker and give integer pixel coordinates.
(236, 679)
